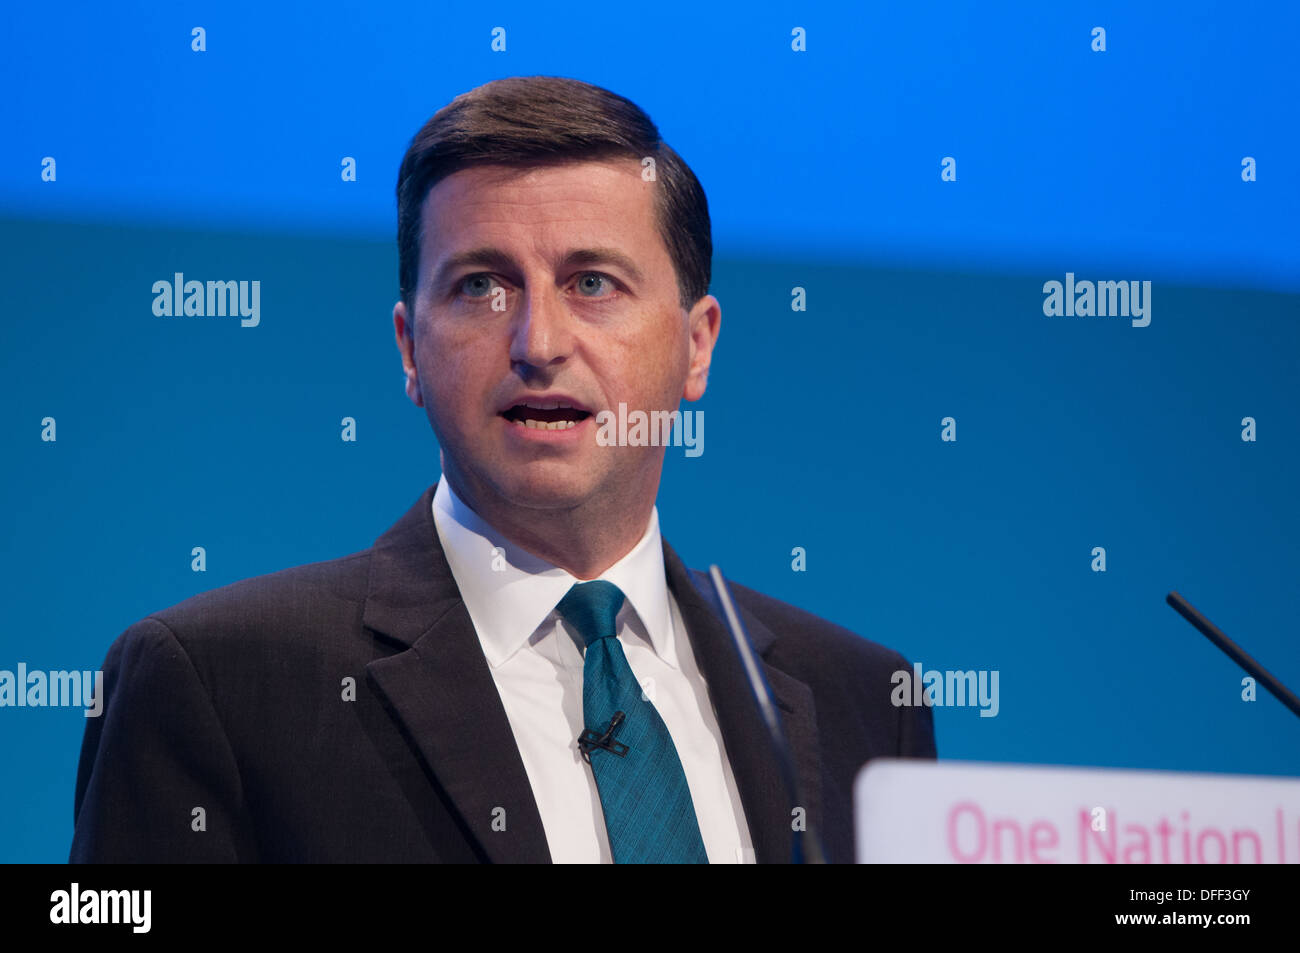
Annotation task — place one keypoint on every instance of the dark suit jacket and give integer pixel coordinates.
(236, 701)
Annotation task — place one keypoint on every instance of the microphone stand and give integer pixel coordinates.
(808, 848)
(1234, 652)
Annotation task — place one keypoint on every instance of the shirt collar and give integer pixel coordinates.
(509, 592)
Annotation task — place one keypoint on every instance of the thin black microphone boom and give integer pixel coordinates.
(1234, 651)
(808, 848)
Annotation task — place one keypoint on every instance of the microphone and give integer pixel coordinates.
(1234, 652)
(590, 740)
(807, 849)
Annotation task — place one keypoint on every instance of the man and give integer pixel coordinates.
(520, 669)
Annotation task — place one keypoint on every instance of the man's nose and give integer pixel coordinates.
(542, 332)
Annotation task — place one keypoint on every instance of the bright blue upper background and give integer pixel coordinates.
(1129, 157)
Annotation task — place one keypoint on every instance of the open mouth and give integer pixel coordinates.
(545, 415)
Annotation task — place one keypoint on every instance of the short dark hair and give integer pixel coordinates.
(525, 121)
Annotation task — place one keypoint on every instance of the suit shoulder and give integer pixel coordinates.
(851, 678)
(288, 601)
(819, 638)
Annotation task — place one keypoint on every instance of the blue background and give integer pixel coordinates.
(822, 427)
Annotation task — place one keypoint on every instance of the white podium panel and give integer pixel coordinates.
(909, 811)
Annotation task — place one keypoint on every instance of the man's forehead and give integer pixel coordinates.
(613, 181)
(593, 202)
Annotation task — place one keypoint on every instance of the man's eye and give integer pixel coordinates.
(481, 281)
(592, 281)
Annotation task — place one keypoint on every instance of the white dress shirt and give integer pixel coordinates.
(536, 661)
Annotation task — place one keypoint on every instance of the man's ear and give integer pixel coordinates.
(703, 325)
(404, 330)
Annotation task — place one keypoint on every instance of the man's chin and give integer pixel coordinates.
(546, 488)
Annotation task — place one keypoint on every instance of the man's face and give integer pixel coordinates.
(548, 286)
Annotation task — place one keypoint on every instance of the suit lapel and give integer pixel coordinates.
(754, 763)
(440, 691)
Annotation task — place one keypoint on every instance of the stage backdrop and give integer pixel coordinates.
(902, 432)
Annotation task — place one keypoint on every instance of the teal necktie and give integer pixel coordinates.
(649, 815)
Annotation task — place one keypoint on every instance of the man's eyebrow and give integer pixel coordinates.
(604, 256)
(487, 256)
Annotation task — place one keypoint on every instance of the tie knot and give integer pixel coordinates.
(591, 608)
